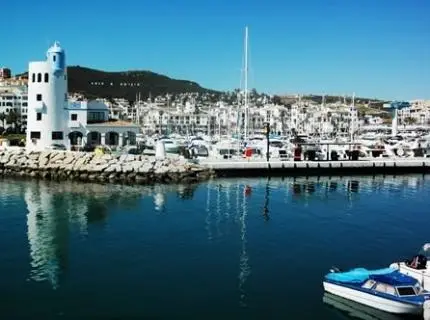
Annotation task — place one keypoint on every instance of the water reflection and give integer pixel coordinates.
(359, 311)
(54, 209)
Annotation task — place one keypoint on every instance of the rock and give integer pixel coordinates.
(127, 168)
(110, 168)
(145, 168)
(61, 165)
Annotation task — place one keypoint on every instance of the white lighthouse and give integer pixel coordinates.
(47, 101)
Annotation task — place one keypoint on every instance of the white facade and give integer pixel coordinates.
(13, 98)
(47, 100)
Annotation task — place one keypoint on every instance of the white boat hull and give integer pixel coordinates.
(373, 301)
(423, 276)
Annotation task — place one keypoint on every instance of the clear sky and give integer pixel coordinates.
(376, 48)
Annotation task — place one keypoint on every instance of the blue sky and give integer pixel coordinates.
(376, 48)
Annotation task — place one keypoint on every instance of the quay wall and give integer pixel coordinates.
(318, 168)
(90, 167)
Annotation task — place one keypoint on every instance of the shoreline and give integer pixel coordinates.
(147, 170)
(106, 168)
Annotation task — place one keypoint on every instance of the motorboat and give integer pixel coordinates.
(383, 289)
(418, 267)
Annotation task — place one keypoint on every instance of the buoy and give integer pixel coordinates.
(160, 150)
(426, 310)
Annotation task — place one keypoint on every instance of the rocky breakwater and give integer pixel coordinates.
(62, 165)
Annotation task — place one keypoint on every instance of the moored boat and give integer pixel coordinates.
(384, 289)
(418, 267)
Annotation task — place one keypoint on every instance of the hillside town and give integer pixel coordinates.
(194, 112)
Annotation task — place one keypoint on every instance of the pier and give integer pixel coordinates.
(226, 168)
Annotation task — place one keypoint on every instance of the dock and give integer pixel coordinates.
(260, 168)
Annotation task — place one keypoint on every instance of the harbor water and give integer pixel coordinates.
(230, 248)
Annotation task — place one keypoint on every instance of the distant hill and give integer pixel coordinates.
(289, 99)
(126, 84)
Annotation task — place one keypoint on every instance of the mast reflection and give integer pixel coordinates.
(266, 201)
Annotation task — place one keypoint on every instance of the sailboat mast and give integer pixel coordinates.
(352, 117)
(246, 84)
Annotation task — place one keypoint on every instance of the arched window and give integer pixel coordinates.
(46, 77)
(33, 77)
(39, 77)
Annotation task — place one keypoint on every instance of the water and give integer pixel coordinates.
(238, 248)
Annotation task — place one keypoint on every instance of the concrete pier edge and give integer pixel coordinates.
(318, 168)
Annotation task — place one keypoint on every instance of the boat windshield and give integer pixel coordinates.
(406, 291)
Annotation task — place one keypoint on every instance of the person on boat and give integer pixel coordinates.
(418, 262)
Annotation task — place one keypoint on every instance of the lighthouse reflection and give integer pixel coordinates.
(222, 209)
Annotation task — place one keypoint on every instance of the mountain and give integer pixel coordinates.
(126, 84)
(289, 99)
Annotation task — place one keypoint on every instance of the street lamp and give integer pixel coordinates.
(267, 127)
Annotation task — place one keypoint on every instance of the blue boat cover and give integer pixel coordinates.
(395, 279)
(357, 275)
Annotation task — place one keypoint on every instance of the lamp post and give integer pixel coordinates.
(267, 126)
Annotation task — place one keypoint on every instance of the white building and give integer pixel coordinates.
(52, 120)
(47, 100)
(89, 124)
(13, 98)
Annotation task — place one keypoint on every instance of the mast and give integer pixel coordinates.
(352, 117)
(246, 85)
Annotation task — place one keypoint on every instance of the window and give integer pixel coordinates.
(46, 77)
(39, 77)
(369, 284)
(74, 117)
(39, 97)
(35, 135)
(39, 116)
(382, 287)
(96, 116)
(406, 291)
(57, 135)
(33, 77)
(54, 58)
(65, 97)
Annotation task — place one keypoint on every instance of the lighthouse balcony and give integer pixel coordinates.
(39, 106)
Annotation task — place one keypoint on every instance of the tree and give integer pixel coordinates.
(13, 118)
(2, 119)
(277, 100)
(410, 120)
